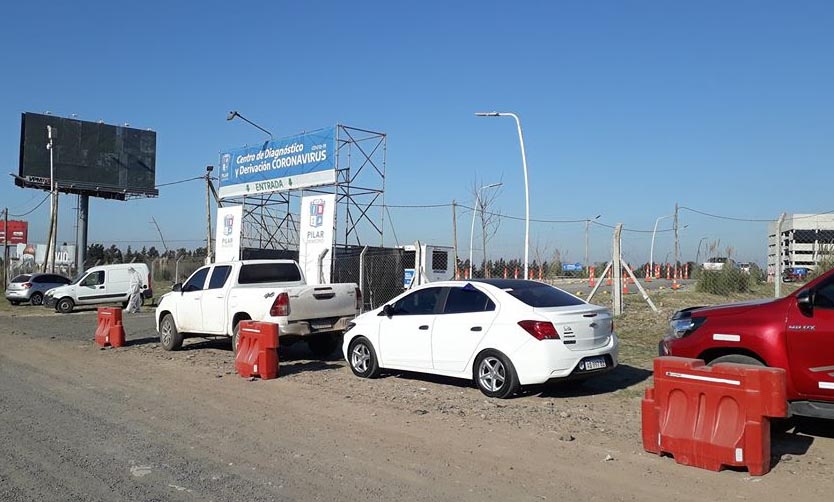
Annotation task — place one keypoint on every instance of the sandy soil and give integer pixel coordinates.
(138, 423)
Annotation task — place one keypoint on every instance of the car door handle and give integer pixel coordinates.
(101, 287)
(475, 328)
(425, 326)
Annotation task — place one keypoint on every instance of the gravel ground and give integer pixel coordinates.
(139, 423)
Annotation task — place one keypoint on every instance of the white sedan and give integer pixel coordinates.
(501, 333)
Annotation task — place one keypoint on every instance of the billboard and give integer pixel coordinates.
(227, 235)
(18, 232)
(90, 158)
(318, 215)
(300, 161)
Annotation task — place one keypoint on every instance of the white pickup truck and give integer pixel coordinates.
(218, 296)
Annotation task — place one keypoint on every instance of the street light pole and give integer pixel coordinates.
(651, 251)
(209, 260)
(474, 213)
(698, 253)
(587, 224)
(235, 113)
(526, 184)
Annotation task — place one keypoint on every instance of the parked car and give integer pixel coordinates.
(718, 262)
(795, 333)
(32, 287)
(795, 274)
(501, 333)
(744, 267)
(99, 285)
(217, 297)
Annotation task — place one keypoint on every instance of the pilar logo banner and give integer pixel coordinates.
(315, 240)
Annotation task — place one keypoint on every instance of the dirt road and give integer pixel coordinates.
(138, 423)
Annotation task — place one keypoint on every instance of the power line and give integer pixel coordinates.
(180, 181)
(31, 210)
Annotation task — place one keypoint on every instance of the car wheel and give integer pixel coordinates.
(736, 358)
(235, 339)
(169, 337)
(65, 305)
(495, 375)
(362, 358)
(322, 345)
(36, 299)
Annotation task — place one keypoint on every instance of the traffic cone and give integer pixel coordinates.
(625, 283)
(609, 281)
(648, 273)
(516, 273)
(657, 271)
(668, 272)
(591, 280)
(505, 271)
(675, 284)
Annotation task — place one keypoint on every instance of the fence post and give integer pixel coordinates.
(618, 272)
(362, 271)
(777, 271)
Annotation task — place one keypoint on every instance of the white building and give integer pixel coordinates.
(805, 238)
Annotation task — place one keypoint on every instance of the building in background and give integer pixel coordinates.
(806, 238)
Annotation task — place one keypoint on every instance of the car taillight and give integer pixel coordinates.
(26, 285)
(540, 330)
(281, 306)
(359, 299)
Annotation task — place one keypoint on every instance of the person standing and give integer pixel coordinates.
(135, 289)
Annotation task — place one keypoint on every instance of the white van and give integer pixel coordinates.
(97, 285)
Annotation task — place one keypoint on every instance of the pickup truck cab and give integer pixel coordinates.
(795, 333)
(215, 298)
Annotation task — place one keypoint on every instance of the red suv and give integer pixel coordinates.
(795, 333)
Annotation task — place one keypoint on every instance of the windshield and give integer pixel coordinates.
(78, 278)
(537, 294)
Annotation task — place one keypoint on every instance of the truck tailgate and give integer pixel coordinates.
(322, 302)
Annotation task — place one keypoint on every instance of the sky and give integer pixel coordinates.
(627, 107)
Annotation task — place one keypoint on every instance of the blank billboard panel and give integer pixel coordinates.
(90, 158)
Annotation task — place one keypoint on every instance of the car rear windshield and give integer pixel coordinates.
(541, 295)
(21, 278)
(259, 273)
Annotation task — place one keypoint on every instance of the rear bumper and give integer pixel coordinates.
(535, 364)
(304, 328)
(21, 295)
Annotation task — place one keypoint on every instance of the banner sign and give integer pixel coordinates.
(572, 267)
(227, 235)
(18, 232)
(300, 161)
(318, 215)
(36, 254)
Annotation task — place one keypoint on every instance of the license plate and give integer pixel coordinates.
(593, 363)
(321, 325)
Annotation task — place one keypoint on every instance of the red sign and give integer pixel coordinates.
(18, 232)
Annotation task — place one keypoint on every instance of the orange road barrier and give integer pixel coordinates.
(713, 416)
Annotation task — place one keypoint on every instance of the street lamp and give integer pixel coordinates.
(235, 113)
(587, 224)
(475, 212)
(526, 185)
(651, 251)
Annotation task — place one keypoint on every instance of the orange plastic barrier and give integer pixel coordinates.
(257, 350)
(109, 329)
(713, 416)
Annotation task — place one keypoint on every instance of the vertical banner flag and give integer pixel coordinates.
(318, 213)
(227, 236)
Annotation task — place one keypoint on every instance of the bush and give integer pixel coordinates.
(725, 281)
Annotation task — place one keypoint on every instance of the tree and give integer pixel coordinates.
(489, 219)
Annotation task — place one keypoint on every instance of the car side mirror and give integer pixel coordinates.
(805, 302)
(177, 287)
(387, 310)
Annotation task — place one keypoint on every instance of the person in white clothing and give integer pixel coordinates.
(135, 289)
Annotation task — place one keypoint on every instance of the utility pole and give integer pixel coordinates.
(209, 169)
(777, 272)
(51, 134)
(5, 248)
(617, 293)
(455, 236)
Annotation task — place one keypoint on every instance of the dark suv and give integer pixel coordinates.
(32, 287)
